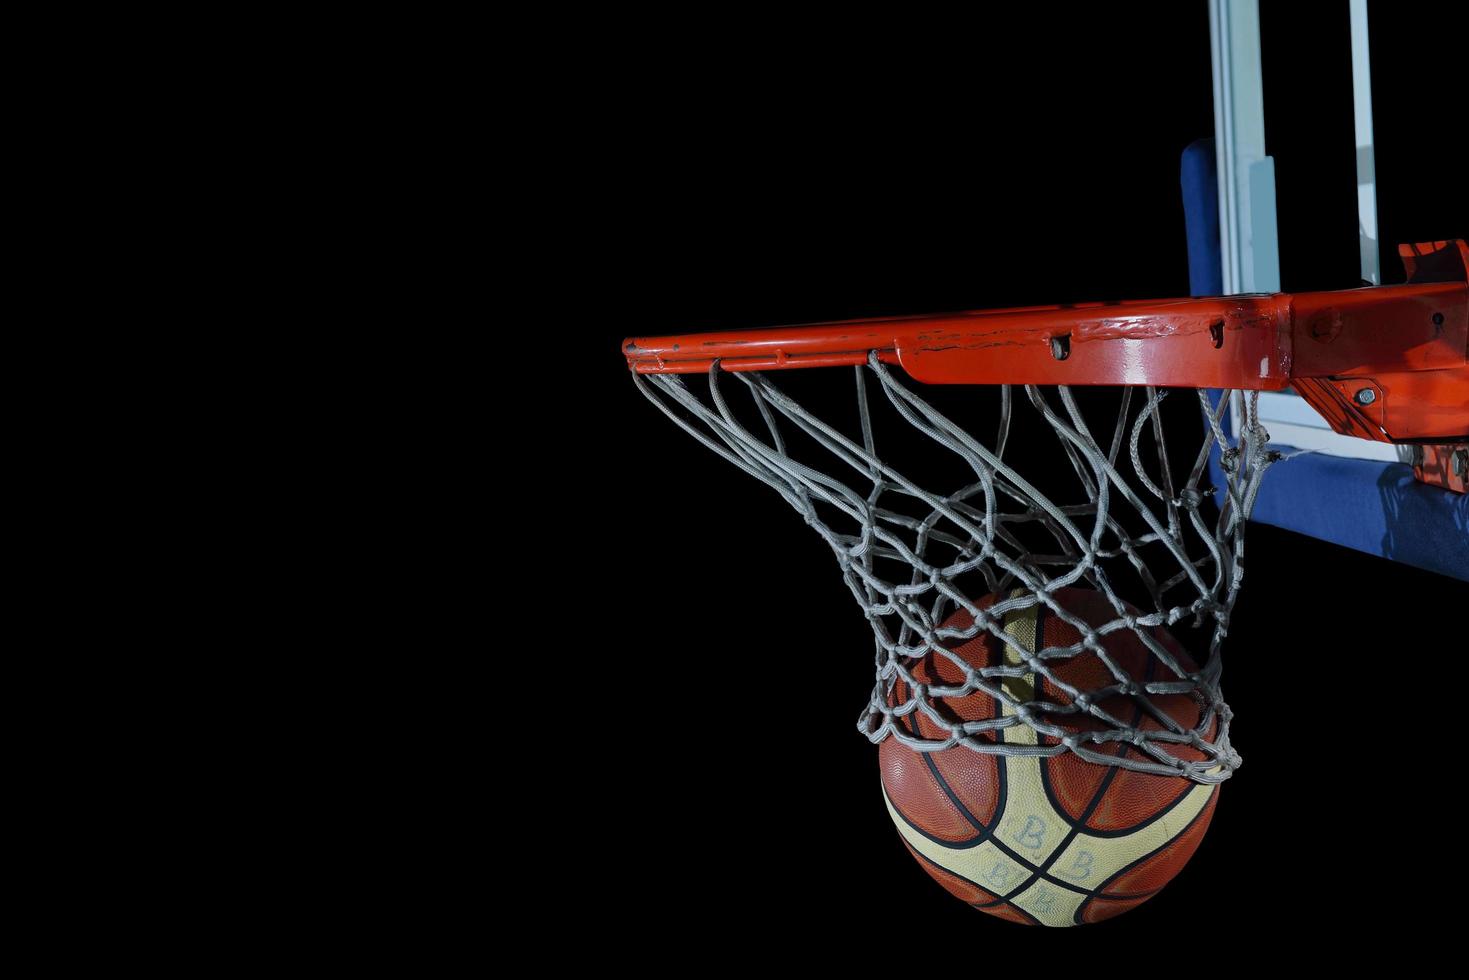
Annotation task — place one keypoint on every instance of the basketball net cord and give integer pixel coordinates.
(904, 552)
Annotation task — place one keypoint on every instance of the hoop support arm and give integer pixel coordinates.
(1389, 363)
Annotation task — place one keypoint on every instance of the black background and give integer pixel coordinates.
(811, 172)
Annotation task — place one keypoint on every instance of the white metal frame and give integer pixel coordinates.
(1249, 245)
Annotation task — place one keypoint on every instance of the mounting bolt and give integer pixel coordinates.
(1366, 396)
(1438, 319)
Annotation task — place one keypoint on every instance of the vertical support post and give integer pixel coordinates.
(1366, 165)
(1249, 248)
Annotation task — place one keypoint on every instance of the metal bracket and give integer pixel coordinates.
(1443, 466)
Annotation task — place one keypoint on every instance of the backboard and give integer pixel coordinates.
(1350, 491)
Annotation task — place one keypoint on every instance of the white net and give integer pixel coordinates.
(1133, 525)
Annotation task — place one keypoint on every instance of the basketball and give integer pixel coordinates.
(1058, 840)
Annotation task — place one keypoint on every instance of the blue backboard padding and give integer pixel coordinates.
(1365, 504)
(1369, 505)
(1199, 176)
